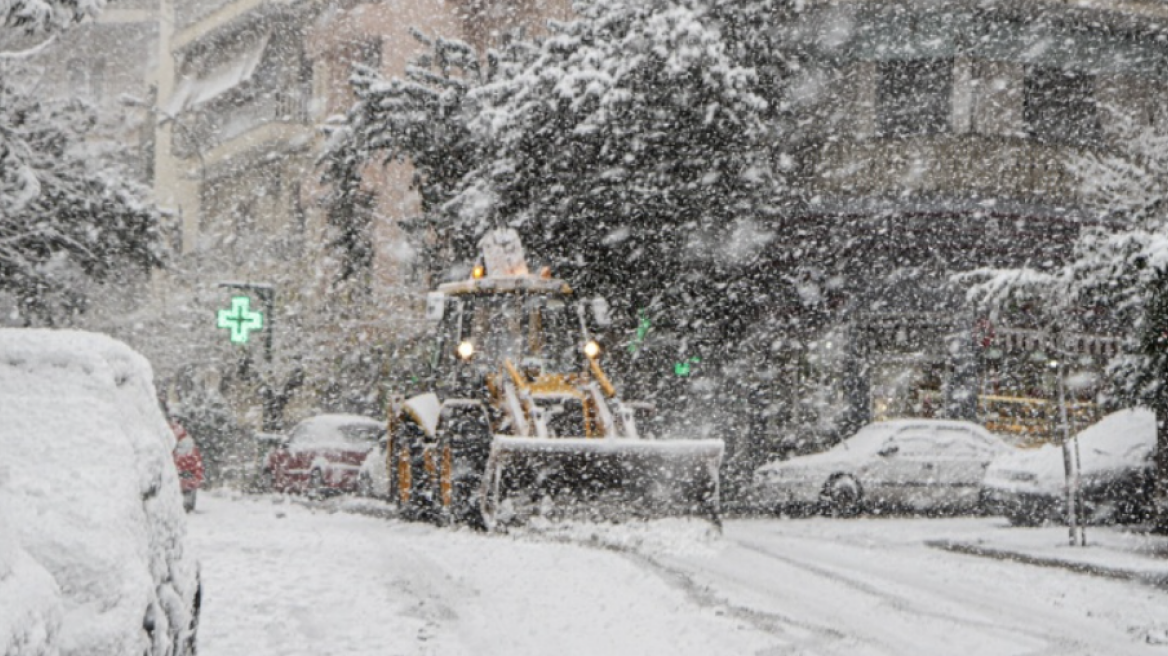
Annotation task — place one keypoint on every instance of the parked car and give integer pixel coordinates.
(1116, 475)
(321, 455)
(188, 461)
(905, 464)
(93, 553)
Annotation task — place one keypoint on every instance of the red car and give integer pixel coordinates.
(321, 455)
(189, 463)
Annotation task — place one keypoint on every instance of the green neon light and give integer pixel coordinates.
(683, 368)
(240, 319)
(643, 328)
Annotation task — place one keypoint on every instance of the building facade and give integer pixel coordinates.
(251, 85)
(935, 138)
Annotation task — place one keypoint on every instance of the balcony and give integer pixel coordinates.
(235, 117)
(952, 166)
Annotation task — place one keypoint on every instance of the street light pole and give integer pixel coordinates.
(1070, 445)
(267, 294)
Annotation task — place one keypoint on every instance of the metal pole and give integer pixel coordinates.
(1070, 459)
(267, 294)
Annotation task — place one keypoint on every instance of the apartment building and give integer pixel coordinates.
(933, 138)
(252, 83)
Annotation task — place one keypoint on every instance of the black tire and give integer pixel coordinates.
(1023, 518)
(189, 500)
(316, 488)
(267, 481)
(391, 470)
(190, 645)
(842, 497)
(365, 486)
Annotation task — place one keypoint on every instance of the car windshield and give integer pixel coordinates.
(349, 435)
(535, 330)
(869, 439)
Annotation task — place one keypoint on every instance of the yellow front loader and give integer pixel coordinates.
(522, 420)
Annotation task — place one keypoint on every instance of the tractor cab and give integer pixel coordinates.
(505, 316)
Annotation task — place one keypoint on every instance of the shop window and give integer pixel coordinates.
(1060, 106)
(914, 96)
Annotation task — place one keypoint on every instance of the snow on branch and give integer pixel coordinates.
(47, 15)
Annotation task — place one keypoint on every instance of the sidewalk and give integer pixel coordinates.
(1127, 553)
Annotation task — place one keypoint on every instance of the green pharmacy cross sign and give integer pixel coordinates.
(240, 319)
(683, 368)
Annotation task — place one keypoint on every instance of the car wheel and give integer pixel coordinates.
(842, 497)
(364, 485)
(1022, 519)
(267, 481)
(189, 500)
(316, 488)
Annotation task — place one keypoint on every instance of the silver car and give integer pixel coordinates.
(904, 464)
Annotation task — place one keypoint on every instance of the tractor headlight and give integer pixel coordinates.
(465, 350)
(592, 349)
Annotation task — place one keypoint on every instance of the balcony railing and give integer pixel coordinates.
(950, 165)
(220, 122)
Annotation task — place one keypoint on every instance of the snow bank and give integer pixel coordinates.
(91, 519)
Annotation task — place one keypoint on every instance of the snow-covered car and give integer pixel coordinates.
(903, 464)
(321, 455)
(1116, 474)
(93, 557)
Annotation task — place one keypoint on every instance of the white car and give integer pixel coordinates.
(903, 464)
(1028, 486)
(93, 558)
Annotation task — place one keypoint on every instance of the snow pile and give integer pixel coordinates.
(91, 546)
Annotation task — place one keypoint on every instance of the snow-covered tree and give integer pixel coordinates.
(630, 144)
(424, 118)
(46, 15)
(69, 219)
(1116, 280)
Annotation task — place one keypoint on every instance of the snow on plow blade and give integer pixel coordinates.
(600, 479)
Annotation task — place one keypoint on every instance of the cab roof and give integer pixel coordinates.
(493, 284)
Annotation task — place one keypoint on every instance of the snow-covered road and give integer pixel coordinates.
(282, 578)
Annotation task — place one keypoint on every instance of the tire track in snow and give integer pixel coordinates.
(777, 625)
(1053, 645)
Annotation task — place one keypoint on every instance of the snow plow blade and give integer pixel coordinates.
(605, 479)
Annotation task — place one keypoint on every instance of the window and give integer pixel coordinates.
(914, 96)
(1060, 105)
